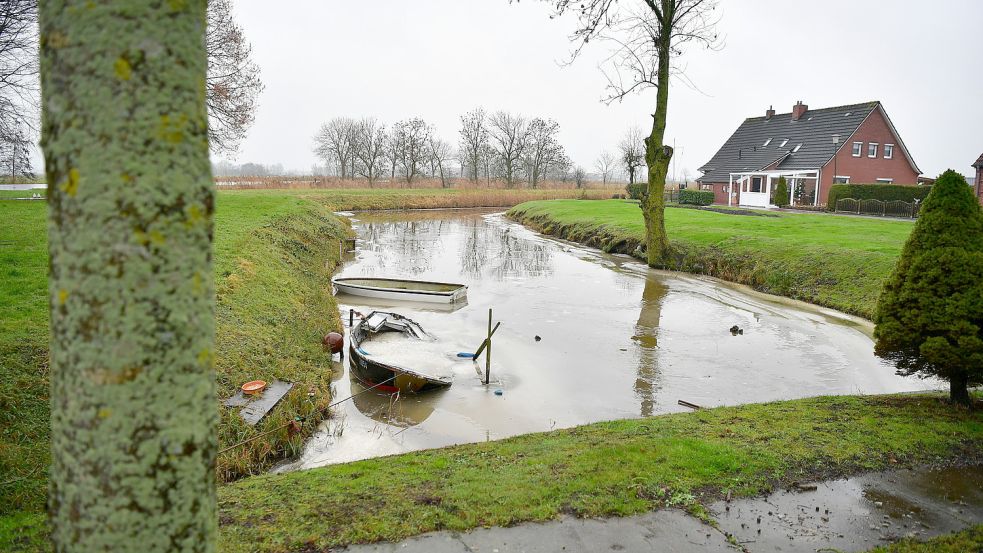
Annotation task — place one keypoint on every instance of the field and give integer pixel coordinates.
(835, 261)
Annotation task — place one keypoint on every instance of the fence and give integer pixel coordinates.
(894, 208)
(671, 196)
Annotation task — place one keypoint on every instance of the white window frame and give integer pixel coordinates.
(761, 185)
(884, 181)
(846, 179)
(872, 147)
(796, 148)
(889, 148)
(784, 142)
(767, 142)
(858, 149)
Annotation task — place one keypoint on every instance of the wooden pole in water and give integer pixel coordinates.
(488, 348)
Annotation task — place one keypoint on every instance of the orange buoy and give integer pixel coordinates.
(334, 341)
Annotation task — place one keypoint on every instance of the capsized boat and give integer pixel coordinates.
(402, 289)
(394, 354)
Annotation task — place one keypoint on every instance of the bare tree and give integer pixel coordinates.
(369, 145)
(411, 138)
(233, 82)
(579, 176)
(645, 36)
(605, 165)
(632, 149)
(18, 84)
(508, 133)
(335, 144)
(543, 149)
(474, 142)
(440, 152)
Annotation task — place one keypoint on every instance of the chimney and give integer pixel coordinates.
(770, 112)
(798, 110)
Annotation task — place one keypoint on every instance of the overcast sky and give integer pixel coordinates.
(438, 59)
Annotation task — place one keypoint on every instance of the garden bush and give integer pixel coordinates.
(696, 197)
(636, 190)
(882, 192)
(779, 195)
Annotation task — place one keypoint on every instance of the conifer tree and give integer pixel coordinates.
(930, 314)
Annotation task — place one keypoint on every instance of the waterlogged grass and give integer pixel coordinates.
(836, 261)
(273, 259)
(611, 468)
(967, 541)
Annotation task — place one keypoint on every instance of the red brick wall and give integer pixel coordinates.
(865, 170)
(979, 183)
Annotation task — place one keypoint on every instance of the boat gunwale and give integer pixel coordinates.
(355, 343)
(346, 282)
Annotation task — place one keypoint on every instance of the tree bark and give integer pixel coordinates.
(959, 389)
(657, 156)
(133, 410)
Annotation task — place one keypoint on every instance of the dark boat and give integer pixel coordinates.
(389, 352)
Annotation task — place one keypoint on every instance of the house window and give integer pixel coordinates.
(707, 186)
(857, 148)
(784, 142)
(755, 184)
(838, 179)
(885, 181)
(767, 142)
(872, 149)
(796, 148)
(888, 151)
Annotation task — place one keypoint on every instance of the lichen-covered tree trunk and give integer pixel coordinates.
(657, 158)
(133, 409)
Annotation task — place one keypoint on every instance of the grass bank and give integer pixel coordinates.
(611, 468)
(273, 258)
(838, 262)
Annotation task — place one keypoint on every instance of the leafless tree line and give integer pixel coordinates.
(508, 146)
(19, 105)
(408, 149)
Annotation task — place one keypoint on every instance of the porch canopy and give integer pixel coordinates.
(755, 186)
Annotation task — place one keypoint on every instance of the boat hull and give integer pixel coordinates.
(405, 293)
(384, 376)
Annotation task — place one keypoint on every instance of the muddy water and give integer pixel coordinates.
(617, 339)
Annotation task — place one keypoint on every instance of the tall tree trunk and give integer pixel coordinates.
(959, 389)
(658, 156)
(133, 410)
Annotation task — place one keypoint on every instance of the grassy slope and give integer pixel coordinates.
(967, 541)
(273, 258)
(839, 262)
(611, 468)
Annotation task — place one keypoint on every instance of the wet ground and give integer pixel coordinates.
(617, 339)
(843, 515)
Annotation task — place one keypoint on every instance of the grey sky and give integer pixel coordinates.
(437, 59)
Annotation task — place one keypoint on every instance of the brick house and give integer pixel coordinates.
(812, 149)
(978, 183)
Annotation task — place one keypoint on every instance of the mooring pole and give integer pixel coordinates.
(351, 318)
(488, 352)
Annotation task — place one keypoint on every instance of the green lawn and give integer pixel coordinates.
(274, 255)
(836, 261)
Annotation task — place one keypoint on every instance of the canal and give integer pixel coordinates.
(616, 339)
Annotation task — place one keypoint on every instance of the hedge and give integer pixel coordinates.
(883, 192)
(696, 197)
(636, 190)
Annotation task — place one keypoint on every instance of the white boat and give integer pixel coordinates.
(402, 289)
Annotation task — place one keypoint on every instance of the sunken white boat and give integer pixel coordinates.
(402, 289)
(394, 354)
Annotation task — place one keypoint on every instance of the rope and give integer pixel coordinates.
(301, 419)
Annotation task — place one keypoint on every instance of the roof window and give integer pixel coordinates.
(767, 142)
(784, 142)
(796, 148)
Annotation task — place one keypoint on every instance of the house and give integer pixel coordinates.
(812, 149)
(978, 181)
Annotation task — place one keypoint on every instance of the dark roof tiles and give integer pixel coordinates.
(745, 150)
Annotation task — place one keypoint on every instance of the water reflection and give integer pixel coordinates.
(646, 339)
(398, 410)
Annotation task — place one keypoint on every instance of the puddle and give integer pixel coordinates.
(860, 513)
(618, 339)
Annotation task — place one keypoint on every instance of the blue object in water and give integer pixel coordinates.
(466, 355)
(498, 392)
